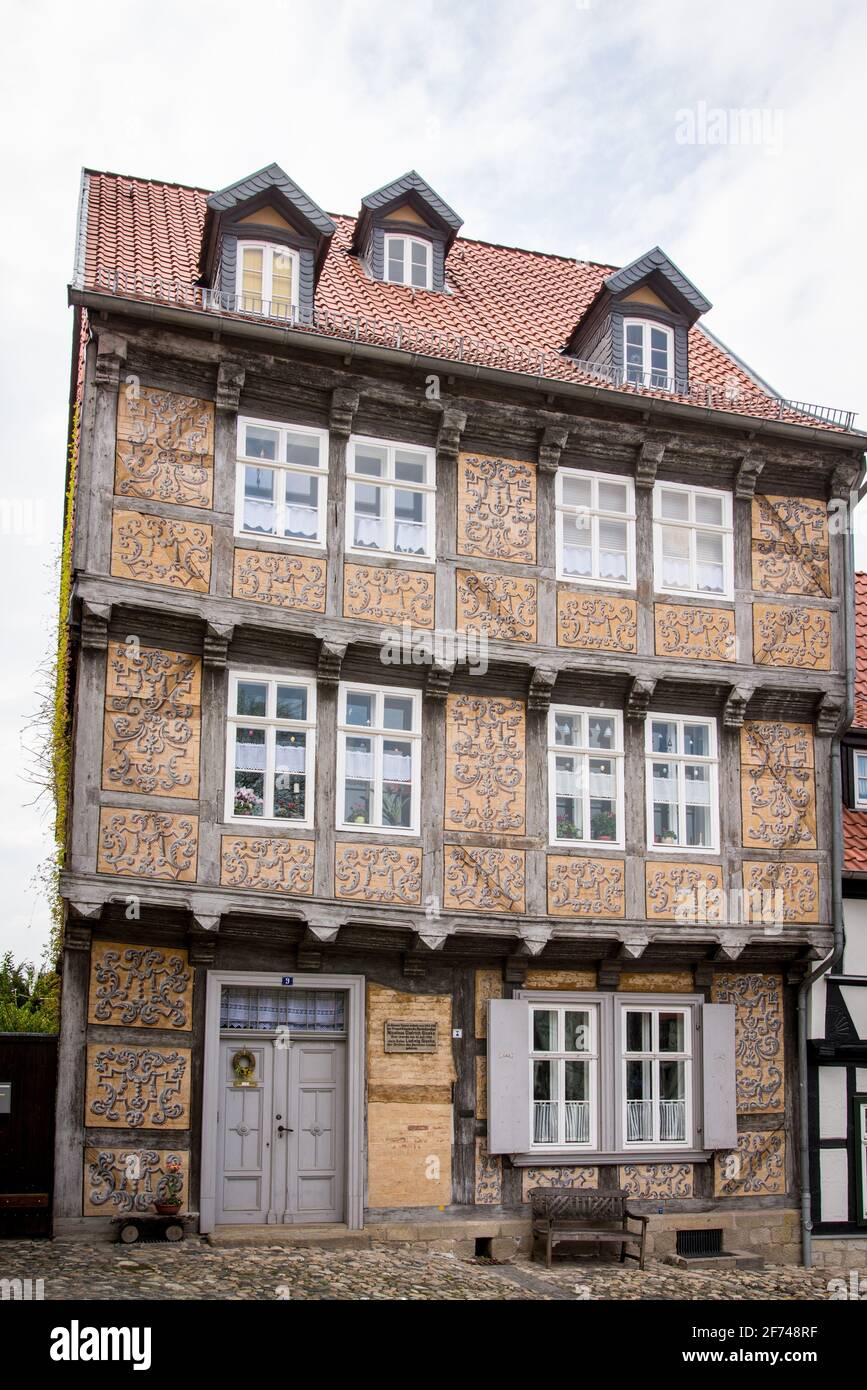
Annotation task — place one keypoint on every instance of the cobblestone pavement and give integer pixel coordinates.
(74, 1269)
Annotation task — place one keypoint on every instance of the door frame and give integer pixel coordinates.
(353, 986)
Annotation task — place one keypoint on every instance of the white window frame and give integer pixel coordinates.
(693, 527)
(614, 755)
(561, 1007)
(389, 484)
(859, 802)
(408, 242)
(594, 515)
(268, 248)
(378, 734)
(647, 371)
(680, 759)
(623, 1006)
(280, 468)
(272, 724)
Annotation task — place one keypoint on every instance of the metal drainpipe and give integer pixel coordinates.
(836, 894)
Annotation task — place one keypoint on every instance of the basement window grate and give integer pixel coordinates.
(692, 1244)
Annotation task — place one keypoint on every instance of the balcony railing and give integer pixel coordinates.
(459, 347)
(639, 1121)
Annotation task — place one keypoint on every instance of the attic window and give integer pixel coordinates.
(409, 261)
(268, 279)
(648, 353)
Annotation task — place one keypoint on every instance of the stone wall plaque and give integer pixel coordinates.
(410, 1035)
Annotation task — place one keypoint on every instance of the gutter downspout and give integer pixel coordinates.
(836, 955)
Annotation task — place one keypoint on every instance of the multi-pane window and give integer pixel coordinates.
(681, 782)
(282, 481)
(408, 261)
(692, 534)
(656, 1059)
(861, 780)
(648, 353)
(585, 775)
(379, 735)
(563, 1083)
(595, 528)
(267, 279)
(390, 501)
(270, 749)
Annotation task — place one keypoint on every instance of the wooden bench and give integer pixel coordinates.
(563, 1215)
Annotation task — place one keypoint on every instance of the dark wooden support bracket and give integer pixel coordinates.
(541, 688)
(344, 404)
(230, 384)
(215, 644)
(735, 709)
(552, 442)
(452, 425)
(650, 456)
(638, 698)
(330, 661)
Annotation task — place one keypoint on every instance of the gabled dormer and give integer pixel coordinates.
(637, 328)
(263, 245)
(404, 232)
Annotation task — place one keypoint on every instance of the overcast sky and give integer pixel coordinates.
(733, 135)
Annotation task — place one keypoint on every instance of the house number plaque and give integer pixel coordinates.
(404, 1035)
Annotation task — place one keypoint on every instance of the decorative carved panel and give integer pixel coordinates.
(758, 1000)
(500, 605)
(586, 887)
(287, 581)
(790, 546)
(158, 550)
(377, 873)
(489, 1176)
(796, 884)
(573, 1179)
(165, 447)
(790, 635)
(707, 634)
(656, 1179)
(485, 765)
(674, 891)
(656, 982)
(756, 1168)
(560, 979)
(596, 623)
(153, 721)
(388, 596)
(137, 1087)
(140, 986)
(489, 985)
(778, 791)
(147, 844)
(271, 865)
(121, 1182)
(484, 880)
(496, 508)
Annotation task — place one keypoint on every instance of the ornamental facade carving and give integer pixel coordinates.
(790, 546)
(586, 887)
(485, 765)
(570, 1179)
(159, 550)
(678, 892)
(501, 606)
(376, 595)
(270, 865)
(287, 581)
(778, 790)
(707, 634)
(777, 889)
(121, 1182)
(377, 873)
(152, 726)
(140, 986)
(595, 623)
(756, 1168)
(489, 1176)
(656, 1179)
(486, 880)
(759, 1048)
(147, 844)
(791, 635)
(137, 1087)
(496, 508)
(165, 447)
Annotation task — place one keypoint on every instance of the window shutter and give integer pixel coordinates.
(508, 1076)
(718, 1076)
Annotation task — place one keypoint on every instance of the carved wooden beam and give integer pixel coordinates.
(542, 682)
(735, 708)
(749, 469)
(215, 644)
(230, 384)
(438, 680)
(829, 715)
(330, 661)
(95, 618)
(638, 698)
(552, 442)
(344, 403)
(111, 352)
(452, 425)
(650, 456)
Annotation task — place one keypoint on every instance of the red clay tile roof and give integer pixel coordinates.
(508, 300)
(854, 841)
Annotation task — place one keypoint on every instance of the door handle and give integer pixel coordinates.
(284, 1129)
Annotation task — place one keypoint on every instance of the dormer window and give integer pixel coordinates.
(268, 279)
(409, 261)
(648, 353)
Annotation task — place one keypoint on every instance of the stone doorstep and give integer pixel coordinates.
(730, 1259)
(445, 1233)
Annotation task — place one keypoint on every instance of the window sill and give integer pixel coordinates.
(585, 582)
(378, 830)
(236, 822)
(695, 595)
(282, 541)
(700, 851)
(394, 557)
(582, 846)
(571, 1158)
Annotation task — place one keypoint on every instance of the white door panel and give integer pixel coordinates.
(244, 1136)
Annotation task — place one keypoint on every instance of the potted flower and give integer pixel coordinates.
(247, 803)
(667, 837)
(603, 826)
(168, 1201)
(566, 829)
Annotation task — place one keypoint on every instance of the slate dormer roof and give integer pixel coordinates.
(410, 188)
(268, 186)
(657, 270)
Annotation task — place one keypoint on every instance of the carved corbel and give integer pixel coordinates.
(730, 946)
(215, 644)
(843, 480)
(638, 698)
(432, 936)
(608, 974)
(634, 945)
(330, 661)
(326, 935)
(748, 475)
(542, 682)
(438, 679)
(735, 709)
(650, 456)
(230, 384)
(535, 937)
(344, 403)
(110, 357)
(552, 442)
(515, 972)
(95, 618)
(453, 422)
(77, 934)
(208, 922)
(703, 975)
(829, 714)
